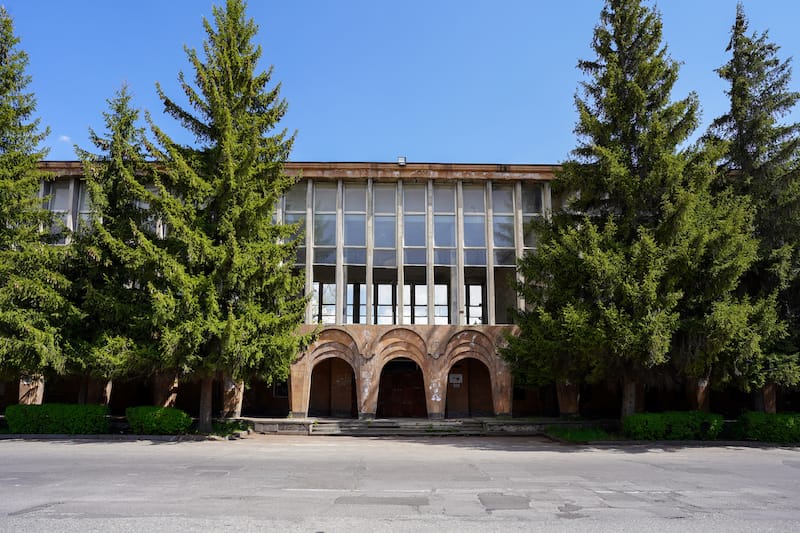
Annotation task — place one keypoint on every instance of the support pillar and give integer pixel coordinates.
(769, 398)
(299, 389)
(697, 390)
(232, 396)
(31, 390)
(569, 395)
(165, 389)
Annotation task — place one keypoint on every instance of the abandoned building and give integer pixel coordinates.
(411, 268)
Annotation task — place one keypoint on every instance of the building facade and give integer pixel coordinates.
(411, 272)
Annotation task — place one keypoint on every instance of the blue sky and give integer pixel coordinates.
(462, 81)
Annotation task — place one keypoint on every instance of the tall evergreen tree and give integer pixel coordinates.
(113, 278)
(237, 300)
(32, 302)
(632, 230)
(763, 162)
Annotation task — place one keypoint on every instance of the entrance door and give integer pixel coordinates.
(401, 393)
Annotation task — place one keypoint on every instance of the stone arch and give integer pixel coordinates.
(394, 344)
(400, 342)
(332, 343)
(473, 344)
(470, 343)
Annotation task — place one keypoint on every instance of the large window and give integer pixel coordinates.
(414, 225)
(356, 304)
(444, 225)
(355, 224)
(503, 225)
(294, 212)
(475, 309)
(415, 303)
(325, 223)
(59, 202)
(385, 303)
(384, 224)
(474, 225)
(323, 302)
(531, 212)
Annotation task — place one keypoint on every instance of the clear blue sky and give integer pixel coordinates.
(435, 80)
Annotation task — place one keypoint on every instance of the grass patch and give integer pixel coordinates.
(577, 435)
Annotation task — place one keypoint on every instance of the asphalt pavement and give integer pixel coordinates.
(331, 484)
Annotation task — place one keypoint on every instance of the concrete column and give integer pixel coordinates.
(340, 279)
(429, 238)
(309, 248)
(165, 389)
(299, 388)
(367, 381)
(547, 200)
(502, 389)
(368, 280)
(519, 235)
(232, 396)
(99, 391)
(401, 276)
(31, 390)
(491, 314)
(435, 380)
(461, 295)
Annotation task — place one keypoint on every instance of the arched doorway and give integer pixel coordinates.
(401, 393)
(469, 390)
(333, 389)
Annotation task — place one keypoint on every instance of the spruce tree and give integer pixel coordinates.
(236, 300)
(762, 161)
(113, 278)
(32, 302)
(640, 225)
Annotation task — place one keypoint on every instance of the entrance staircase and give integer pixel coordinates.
(406, 427)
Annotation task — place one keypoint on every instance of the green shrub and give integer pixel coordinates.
(781, 427)
(672, 425)
(151, 420)
(58, 418)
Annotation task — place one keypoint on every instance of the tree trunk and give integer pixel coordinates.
(206, 395)
(165, 389)
(232, 396)
(697, 392)
(569, 395)
(31, 390)
(768, 396)
(629, 390)
(98, 391)
(83, 390)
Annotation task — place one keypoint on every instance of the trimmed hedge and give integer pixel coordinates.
(783, 428)
(151, 420)
(673, 425)
(58, 418)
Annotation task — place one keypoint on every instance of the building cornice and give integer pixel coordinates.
(379, 171)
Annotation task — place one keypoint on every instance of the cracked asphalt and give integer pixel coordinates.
(329, 484)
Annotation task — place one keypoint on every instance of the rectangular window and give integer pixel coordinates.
(355, 223)
(415, 303)
(441, 304)
(503, 225)
(323, 302)
(294, 212)
(385, 302)
(474, 308)
(356, 307)
(384, 225)
(531, 212)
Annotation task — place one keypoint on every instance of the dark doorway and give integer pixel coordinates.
(402, 390)
(469, 390)
(333, 389)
